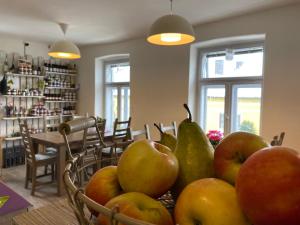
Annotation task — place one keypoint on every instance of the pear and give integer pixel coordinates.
(194, 153)
(167, 139)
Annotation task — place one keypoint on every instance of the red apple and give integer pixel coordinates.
(138, 206)
(209, 201)
(268, 187)
(103, 185)
(147, 167)
(232, 151)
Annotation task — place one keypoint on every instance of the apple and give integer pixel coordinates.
(268, 187)
(138, 206)
(147, 167)
(103, 185)
(232, 152)
(209, 201)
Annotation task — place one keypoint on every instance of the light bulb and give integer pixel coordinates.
(64, 54)
(170, 37)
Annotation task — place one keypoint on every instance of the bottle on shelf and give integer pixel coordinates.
(5, 65)
(12, 69)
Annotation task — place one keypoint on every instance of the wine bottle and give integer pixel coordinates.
(12, 69)
(5, 66)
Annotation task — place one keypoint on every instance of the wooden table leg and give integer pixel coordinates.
(61, 163)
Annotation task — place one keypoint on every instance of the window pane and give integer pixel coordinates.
(117, 72)
(212, 107)
(111, 112)
(125, 103)
(246, 100)
(233, 63)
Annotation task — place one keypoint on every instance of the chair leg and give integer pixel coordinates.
(33, 177)
(52, 172)
(27, 175)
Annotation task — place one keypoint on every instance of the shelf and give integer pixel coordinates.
(56, 116)
(64, 88)
(63, 74)
(33, 117)
(23, 96)
(21, 117)
(12, 138)
(24, 75)
(48, 101)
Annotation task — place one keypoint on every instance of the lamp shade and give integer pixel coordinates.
(64, 50)
(171, 30)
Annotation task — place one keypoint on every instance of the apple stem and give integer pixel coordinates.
(188, 110)
(158, 128)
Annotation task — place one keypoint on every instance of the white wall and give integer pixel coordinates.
(159, 79)
(12, 45)
(160, 75)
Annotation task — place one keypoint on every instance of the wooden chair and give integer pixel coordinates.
(52, 126)
(135, 134)
(34, 160)
(277, 141)
(121, 138)
(172, 128)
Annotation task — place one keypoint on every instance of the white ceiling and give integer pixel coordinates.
(104, 21)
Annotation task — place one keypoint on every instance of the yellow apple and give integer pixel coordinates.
(209, 201)
(103, 185)
(233, 151)
(138, 206)
(147, 167)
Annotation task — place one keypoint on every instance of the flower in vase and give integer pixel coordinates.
(215, 136)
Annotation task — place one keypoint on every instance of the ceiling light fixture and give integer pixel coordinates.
(64, 49)
(171, 30)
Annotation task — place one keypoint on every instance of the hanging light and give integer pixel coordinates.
(64, 49)
(171, 30)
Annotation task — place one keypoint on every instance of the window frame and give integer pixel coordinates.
(118, 85)
(227, 82)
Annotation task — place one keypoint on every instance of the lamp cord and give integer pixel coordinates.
(171, 6)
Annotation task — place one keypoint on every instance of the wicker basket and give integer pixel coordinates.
(80, 203)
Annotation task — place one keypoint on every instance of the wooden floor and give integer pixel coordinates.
(14, 177)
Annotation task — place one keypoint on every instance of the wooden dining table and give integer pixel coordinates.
(56, 140)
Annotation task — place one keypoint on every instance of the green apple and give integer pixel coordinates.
(103, 185)
(233, 151)
(138, 206)
(208, 201)
(268, 187)
(147, 167)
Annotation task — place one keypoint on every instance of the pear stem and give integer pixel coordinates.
(158, 128)
(188, 110)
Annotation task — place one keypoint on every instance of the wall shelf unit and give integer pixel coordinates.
(43, 97)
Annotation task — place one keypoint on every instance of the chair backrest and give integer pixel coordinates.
(121, 130)
(74, 116)
(135, 134)
(75, 126)
(172, 128)
(277, 141)
(92, 136)
(55, 121)
(29, 151)
(101, 124)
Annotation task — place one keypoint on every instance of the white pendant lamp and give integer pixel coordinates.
(171, 30)
(64, 49)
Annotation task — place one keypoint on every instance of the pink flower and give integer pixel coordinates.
(215, 135)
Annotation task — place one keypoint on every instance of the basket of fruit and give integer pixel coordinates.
(242, 181)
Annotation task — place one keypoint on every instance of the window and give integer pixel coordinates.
(230, 88)
(117, 91)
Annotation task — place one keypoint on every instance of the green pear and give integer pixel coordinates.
(194, 153)
(167, 139)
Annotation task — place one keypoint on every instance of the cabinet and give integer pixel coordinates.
(45, 96)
